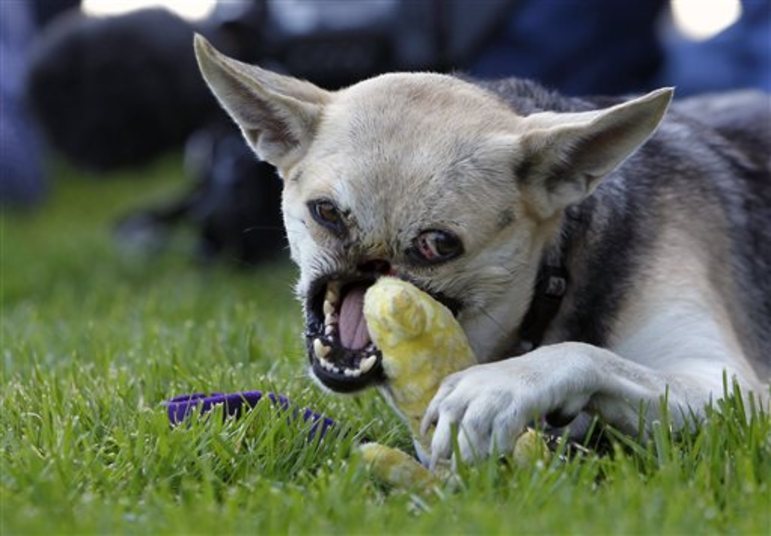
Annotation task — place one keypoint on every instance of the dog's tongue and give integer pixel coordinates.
(353, 325)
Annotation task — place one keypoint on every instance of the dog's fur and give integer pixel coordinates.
(665, 236)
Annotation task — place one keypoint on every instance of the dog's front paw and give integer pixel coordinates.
(490, 405)
(484, 406)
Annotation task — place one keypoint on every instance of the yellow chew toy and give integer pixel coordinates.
(421, 343)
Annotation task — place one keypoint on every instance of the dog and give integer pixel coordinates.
(608, 257)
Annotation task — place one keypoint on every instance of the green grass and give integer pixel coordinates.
(93, 341)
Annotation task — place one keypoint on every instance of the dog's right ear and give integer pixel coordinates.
(277, 114)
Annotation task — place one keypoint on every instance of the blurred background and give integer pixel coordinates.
(107, 87)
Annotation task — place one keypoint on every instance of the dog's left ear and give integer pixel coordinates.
(564, 156)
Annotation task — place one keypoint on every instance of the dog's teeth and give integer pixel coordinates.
(330, 319)
(352, 373)
(326, 364)
(367, 363)
(329, 329)
(333, 294)
(328, 308)
(320, 349)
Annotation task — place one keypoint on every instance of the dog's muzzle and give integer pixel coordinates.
(340, 349)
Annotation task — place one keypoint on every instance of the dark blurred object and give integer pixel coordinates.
(339, 42)
(234, 203)
(22, 182)
(604, 47)
(47, 10)
(117, 91)
(581, 47)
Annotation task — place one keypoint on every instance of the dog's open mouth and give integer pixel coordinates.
(340, 349)
(339, 346)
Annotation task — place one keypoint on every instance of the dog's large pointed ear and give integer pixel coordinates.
(564, 156)
(277, 114)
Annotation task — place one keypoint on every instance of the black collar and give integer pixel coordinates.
(550, 286)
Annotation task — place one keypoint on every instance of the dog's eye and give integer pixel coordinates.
(327, 214)
(436, 246)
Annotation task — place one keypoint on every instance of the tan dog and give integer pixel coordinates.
(615, 264)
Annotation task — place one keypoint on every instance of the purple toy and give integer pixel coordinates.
(181, 407)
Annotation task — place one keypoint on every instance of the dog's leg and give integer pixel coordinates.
(491, 404)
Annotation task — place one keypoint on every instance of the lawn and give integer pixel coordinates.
(93, 340)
